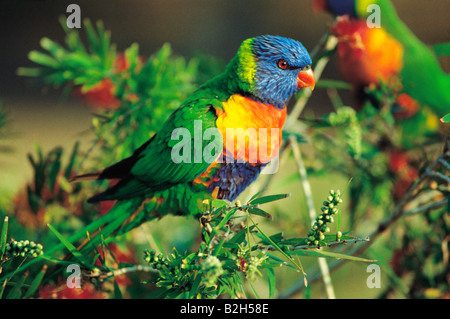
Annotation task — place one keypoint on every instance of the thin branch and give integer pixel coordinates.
(308, 247)
(97, 273)
(135, 268)
(312, 213)
(440, 176)
(399, 211)
(425, 208)
(444, 163)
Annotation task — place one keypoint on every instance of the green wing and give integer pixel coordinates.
(161, 162)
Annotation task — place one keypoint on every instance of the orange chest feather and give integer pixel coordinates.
(251, 130)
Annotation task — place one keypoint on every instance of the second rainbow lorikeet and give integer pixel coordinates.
(389, 51)
(251, 94)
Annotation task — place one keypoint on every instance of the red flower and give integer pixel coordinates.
(103, 94)
(120, 256)
(30, 204)
(87, 291)
(404, 172)
(408, 106)
(319, 5)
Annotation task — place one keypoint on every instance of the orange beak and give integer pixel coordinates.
(305, 79)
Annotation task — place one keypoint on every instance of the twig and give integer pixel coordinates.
(399, 208)
(438, 175)
(444, 163)
(306, 247)
(135, 268)
(114, 125)
(425, 208)
(398, 212)
(97, 273)
(312, 213)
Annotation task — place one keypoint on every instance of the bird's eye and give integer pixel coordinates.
(282, 64)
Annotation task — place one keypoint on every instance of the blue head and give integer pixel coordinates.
(273, 68)
(342, 7)
(353, 8)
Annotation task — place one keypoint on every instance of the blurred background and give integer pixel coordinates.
(41, 116)
(48, 118)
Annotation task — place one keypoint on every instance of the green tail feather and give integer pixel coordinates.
(126, 215)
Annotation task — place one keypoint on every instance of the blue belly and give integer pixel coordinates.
(233, 178)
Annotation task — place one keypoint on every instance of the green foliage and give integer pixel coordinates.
(23, 248)
(76, 63)
(347, 117)
(9, 253)
(234, 248)
(316, 235)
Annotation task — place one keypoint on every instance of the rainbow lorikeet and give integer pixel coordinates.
(389, 51)
(172, 175)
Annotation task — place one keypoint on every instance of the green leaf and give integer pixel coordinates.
(218, 247)
(217, 203)
(43, 59)
(72, 249)
(333, 237)
(299, 267)
(32, 72)
(328, 254)
(92, 37)
(226, 218)
(55, 166)
(54, 48)
(274, 238)
(254, 196)
(272, 282)
(72, 160)
(73, 40)
(259, 212)
(106, 232)
(239, 237)
(15, 292)
(3, 237)
(53, 260)
(195, 284)
(347, 117)
(268, 199)
(117, 292)
(35, 283)
(294, 241)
